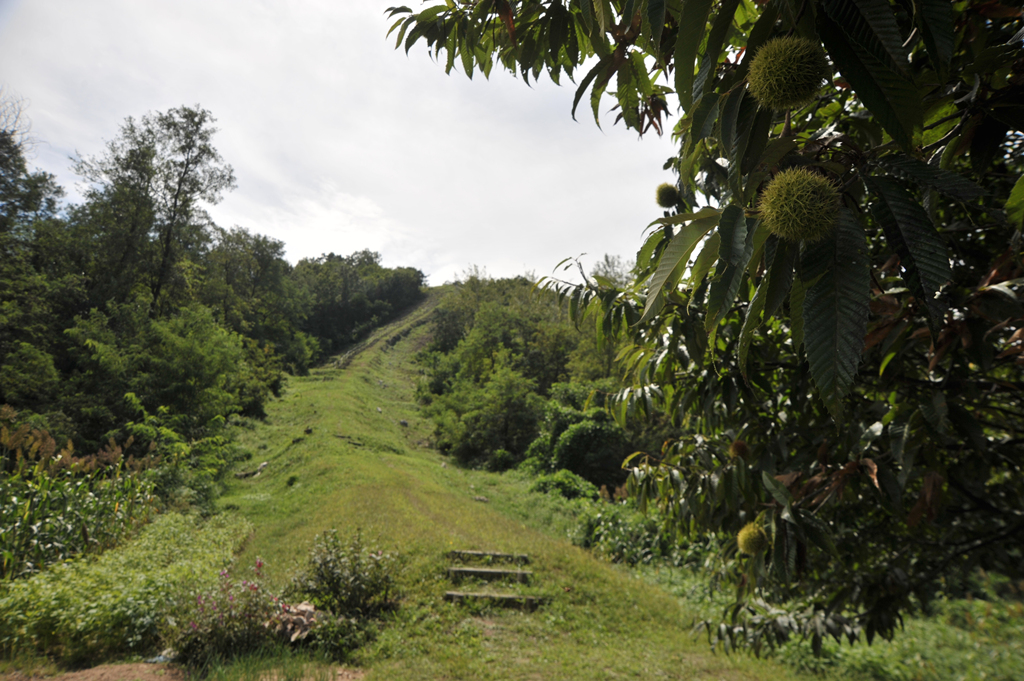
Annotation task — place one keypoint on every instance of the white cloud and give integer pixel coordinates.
(340, 142)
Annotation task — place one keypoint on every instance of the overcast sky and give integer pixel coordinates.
(340, 142)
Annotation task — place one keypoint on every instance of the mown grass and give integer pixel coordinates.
(339, 457)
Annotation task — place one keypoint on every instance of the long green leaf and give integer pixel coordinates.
(726, 285)
(797, 294)
(911, 234)
(656, 18)
(1015, 204)
(782, 256)
(890, 97)
(759, 35)
(733, 228)
(703, 263)
(693, 20)
(945, 181)
(872, 25)
(935, 19)
(713, 46)
(836, 310)
(751, 322)
(587, 80)
(674, 260)
(727, 123)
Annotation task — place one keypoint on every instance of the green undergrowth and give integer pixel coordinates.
(958, 639)
(111, 606)
(347, 449)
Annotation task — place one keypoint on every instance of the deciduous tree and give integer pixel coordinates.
(836, 285)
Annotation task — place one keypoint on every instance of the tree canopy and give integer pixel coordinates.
(829, 305)
(133, 304)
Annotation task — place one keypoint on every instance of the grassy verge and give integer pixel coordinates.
(345, 449)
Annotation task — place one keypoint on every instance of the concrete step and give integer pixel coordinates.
(502, 600)
(489, 574)
(489, 556)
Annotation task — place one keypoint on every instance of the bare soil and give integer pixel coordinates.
(144, 672)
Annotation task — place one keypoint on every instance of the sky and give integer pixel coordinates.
(338, 141)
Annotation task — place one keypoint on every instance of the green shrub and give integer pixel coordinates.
(337, 637)
(346, 579)
(621, 534)
(594, 449)
(567, 484)
(115, 605)
(217, 623)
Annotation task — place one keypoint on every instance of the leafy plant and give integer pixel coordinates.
(230, 619)
(567, 484)
(116, 604)
(873, 373)
(54, 505)
(621, 534)
(346, 579)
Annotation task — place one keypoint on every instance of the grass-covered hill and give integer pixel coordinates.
(348, 448)
(340, 456)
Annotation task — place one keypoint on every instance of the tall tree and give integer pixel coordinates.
(147, 194)
(830, 302)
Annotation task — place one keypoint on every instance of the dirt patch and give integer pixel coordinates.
(110, 672)
(145, 672)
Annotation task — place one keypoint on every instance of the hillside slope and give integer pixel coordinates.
(346, 449)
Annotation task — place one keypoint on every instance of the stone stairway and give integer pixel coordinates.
(474, 565)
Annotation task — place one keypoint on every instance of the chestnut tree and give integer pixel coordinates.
(829, 306)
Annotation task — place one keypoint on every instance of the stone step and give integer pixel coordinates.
(519, 558)
(503, 600)
(458, 573)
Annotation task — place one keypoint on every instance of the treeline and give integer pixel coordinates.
(511, 382)
(135, 291)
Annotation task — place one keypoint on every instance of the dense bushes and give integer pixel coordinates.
(348, 584)
(622, 534)
(116, 604)
(135, 290)
(346, 579)
(497, 384)
(174, 587)
(566, 484)
(225, 619)
(54, 505)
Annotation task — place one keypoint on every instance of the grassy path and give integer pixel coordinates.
(340, 457)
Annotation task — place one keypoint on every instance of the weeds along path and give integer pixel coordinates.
(345, 448)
